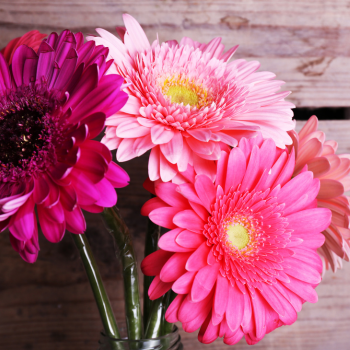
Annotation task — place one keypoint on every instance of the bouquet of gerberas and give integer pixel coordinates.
(252, 207)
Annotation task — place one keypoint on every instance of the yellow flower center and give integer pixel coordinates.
(238, 235)
(181, 94)
(182, 90)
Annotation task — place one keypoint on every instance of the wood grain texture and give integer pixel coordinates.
(306, 43)
(49, 305)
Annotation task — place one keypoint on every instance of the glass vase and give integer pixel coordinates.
(171, 341)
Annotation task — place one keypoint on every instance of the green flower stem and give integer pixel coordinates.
(152, 237)
(154, 325)
(93, 274)
(119, 231)
(166, 326)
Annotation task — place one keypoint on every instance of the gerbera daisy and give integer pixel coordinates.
(186, 98)
(333, 170)
(52, 104)
(32, 39)
(241, 253)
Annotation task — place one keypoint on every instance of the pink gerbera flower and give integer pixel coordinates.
(241, 253)
(333, 171)
(52, 104)
(186, 98)
(32, 39)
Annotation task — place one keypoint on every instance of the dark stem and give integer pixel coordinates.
(152, 237)
(154, 325)
(98, 289)
(166, 326)
(120, 232)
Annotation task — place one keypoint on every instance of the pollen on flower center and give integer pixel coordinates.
(181, 94)
(182, 90)
(238, 235)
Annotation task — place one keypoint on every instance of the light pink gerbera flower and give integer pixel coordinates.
(52, 104)
(333, 170)
(241, 253)
(187, 98)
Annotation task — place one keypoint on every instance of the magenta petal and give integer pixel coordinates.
(41, 190)
(5, 76)
(75, 221)
(117, 176)
(24, 65)
(22, 224)
(108, 195)
(53, 231)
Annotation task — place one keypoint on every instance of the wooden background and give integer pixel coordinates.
(49, 305)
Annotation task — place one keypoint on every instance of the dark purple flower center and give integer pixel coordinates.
(21, 135)
(30, 131)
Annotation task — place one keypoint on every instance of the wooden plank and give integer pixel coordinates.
(304, 42)
(49, 305)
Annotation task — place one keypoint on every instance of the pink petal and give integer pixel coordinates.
(183, 284)
(168, 242)
(161, 135)
(205, 190)
(137, 35)
(188, 239)
(189, 220)
(220, 299)
(172, 150)
(167, 170)
(234, 311)
(153, 263)
(236, 168)
(310, 220)
(164, 217)
(158, 288)
(125, 150)
(204, 282)
(174, 268)
(330, 189)
(171, 312)
(152, 204)
(198, 259)
(154, 164)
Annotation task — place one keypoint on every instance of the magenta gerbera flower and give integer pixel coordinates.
(52, 104)
(186, 98)
(241, 253)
